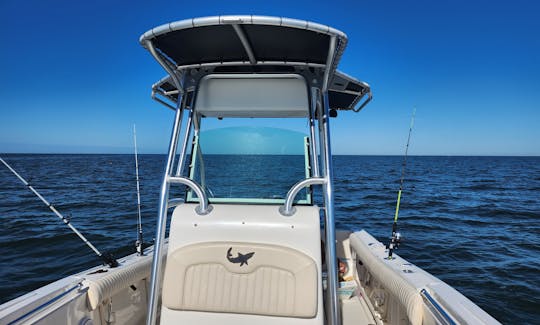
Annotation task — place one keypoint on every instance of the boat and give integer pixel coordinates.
(261, 249)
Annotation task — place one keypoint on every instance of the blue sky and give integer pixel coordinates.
(73, 77)
(252, 141)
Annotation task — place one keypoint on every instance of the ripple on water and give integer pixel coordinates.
(471, 221)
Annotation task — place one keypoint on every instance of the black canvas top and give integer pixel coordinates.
(215, 40)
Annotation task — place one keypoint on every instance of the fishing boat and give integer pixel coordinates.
(252, 237)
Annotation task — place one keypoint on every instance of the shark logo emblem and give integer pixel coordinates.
(241, 258)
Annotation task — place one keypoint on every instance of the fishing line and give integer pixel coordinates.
(107, 258)
(396, 236)
(139, 242)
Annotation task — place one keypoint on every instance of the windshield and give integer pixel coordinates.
(249, 164)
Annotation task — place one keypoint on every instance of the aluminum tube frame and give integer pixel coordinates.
(329, 63)
(161, 225)
(161, 101)
(440, 314)
(204, 207)
(245, 42)
(166, 65)
(174, 202)
(287, 209)
(370, 97)
(334, 318)
(181, 159)
(157, 265)
(219, 64)
(312, 143)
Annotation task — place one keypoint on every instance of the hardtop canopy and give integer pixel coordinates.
(240, 39)
(253, 44)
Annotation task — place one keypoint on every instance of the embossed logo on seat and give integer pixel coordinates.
(241, 258)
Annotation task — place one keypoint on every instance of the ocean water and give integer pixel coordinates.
(474, 222)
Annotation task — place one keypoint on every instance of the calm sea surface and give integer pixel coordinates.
(474, 222)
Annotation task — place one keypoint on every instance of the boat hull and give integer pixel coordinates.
(386, 292)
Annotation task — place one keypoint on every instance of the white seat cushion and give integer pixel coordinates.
(245, 278)
(277, 285)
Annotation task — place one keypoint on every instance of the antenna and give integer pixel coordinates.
(139, 242)
(396, 236)
(107, 258)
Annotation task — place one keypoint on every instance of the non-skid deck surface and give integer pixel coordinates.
(355, 311)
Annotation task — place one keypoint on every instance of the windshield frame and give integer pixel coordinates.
(197, 155)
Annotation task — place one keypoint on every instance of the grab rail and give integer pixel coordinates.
(287, 209)
(204, 207)
(438, 311)
(49, 302)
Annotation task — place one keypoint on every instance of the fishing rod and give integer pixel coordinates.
(396, 236)
(107, 258)
(139, 242)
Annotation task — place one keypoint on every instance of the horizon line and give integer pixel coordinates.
(239, 154)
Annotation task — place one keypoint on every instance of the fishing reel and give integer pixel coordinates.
(141, 245)
(394, 243)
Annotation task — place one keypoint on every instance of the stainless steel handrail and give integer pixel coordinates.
(156, 275)
(287, 209)
(181, 159)
(245, 43)
(204, 207)
(314, 156)
(157, 265)
(438, 311)
(166, 65)
(329, 63)
(174, 202)
(328, 192)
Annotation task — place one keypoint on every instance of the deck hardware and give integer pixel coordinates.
(204, 207)
(110, 314)
(442, 316)
(86, 321)
(287, 209)
(78, 286)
